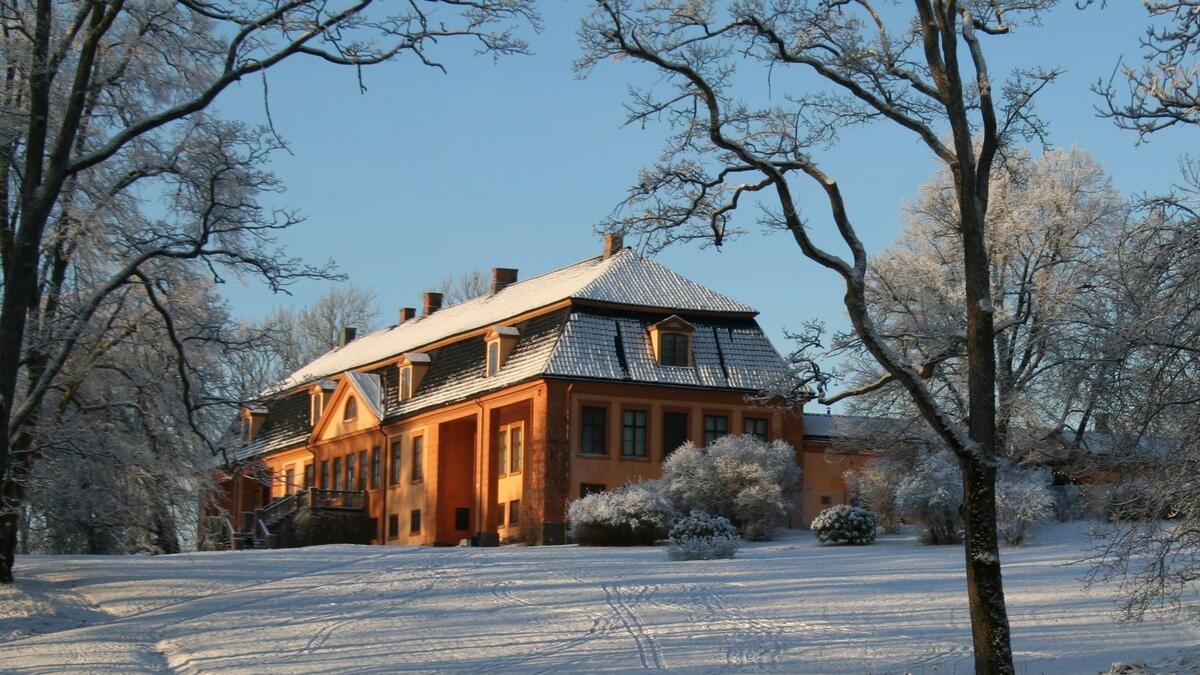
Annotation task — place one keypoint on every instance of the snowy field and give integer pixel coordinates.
(786, 606)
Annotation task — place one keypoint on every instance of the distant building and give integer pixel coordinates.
(482, 420)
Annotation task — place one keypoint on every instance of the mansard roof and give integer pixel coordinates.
(625, 279)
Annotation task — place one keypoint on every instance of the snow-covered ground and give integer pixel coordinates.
(788, 606)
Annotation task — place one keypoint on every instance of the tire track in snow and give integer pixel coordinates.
(601, 624)
(757, 642)
(381, 603)
(647, 646)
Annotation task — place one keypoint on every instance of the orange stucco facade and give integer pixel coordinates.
(436, 478)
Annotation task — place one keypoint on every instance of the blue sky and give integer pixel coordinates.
(513, 163)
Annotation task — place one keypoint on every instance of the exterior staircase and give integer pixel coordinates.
(270, 526)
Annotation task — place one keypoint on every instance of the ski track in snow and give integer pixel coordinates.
(789, 606)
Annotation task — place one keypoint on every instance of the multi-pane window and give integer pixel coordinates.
(350, 472)
(350, 410)
(308, 476)
(593, 427)
(500, 514)
(673, 349)
(586, 489)
(393, 526)
(493, 358)
(337, 473)
(502, 452)
(755, 426)
(674, 431)
(515, 447)
(375, 467)
(325, 485)
(395, 463)
(633, 437)
(414, 521)
(362, 470)
(715, 426)
(514, 512)
(418, 458)
(289, 481)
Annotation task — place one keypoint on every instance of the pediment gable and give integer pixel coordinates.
(354, 391)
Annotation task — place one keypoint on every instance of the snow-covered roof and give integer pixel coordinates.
(625, 278)
(824, 425)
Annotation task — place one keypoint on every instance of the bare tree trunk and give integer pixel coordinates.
(985, 588)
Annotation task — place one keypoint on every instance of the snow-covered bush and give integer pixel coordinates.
(845, 524)
(874, 487)
(1023, 501)
(932, 494)
(738, 477)
(636, 514)
(702, 536)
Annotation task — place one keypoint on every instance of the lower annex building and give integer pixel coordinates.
(480, 421)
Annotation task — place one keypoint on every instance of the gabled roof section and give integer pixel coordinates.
(625, 279)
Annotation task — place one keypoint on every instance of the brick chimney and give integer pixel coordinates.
(407, 313)
(347, 335)
(613, 242)
(501, 277)
(433, 302)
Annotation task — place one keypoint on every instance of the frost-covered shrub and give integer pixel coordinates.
(874, 487)
(1023, 501)
(845, 524)
(702, 536)
(738, 477)
(932, 494)
(633, 515)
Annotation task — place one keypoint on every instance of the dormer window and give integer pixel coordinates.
(493, 358)
(500, 342)
(405, 383)
(673, 349)
(412, 367)
(671, 340)
(318, 397)
(351, 409)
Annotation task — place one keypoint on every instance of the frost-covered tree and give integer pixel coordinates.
(103, 113)
(920, 67)
(1163, 91)
(119, 467)
(932, 494)
(874, 486)
(1050, 222)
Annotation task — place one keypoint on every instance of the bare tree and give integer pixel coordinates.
(1152, 294)
(925, 73)
(103, 101)
(465, 286)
